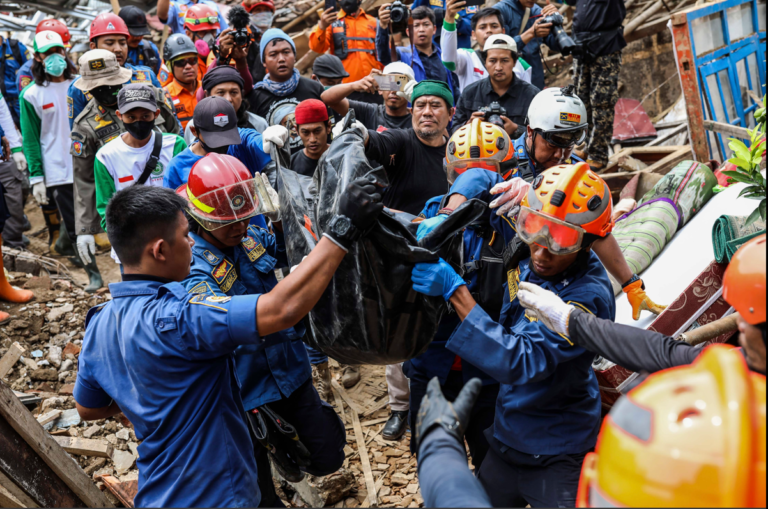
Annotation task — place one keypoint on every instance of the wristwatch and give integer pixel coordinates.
(343, 230)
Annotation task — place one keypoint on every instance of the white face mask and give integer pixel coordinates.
(262, 20)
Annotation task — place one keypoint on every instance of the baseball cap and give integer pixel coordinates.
(99, 67)
(46, 40)
(136, 95)
(329, 66)
(216, 120)
(135, 19)
(500, 41)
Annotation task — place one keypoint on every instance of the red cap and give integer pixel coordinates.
(311, 111)
(263, 3)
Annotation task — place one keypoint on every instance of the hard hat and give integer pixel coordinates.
(201, 17)
(108, 24)
(55, 25)
(501, 41)
(221, 191)
(744, 281)
(399, 68)
(177, 45)
(691, 436)
(567, 207)
(479, 144)
(559, 116)
(269, 4)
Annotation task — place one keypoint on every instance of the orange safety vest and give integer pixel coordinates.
(353, 40)
(183, 100)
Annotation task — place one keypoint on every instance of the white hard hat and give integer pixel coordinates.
(558, 110)
(500, 41)
(399, 68)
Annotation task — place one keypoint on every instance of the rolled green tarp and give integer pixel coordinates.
(730, 232)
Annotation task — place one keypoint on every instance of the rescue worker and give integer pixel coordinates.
(191, 422)
(24, 74)
(13, 54)
(45, 135)
(180, 53)
(140, 51)
(174, 14)
(483, 270)
(202, 24)
(350, 34)
(556, 121)
(13, 164)
(232, 257)
(101, 77)
(108, 32)
(548, 412)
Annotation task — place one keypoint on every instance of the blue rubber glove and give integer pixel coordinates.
(436, 279)
(426, 226)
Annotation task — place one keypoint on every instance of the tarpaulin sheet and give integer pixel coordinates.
(369, 314)
(631, 122)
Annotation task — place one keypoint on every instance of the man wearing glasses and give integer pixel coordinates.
(180, 55)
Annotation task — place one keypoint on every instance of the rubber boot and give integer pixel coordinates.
(65, 247)
(94, 276)
(7, 292)
(53, 223)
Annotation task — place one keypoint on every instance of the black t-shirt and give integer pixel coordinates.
(280, 110)
(302, 164)
(415, 170)
(479, 94)
(374, 115)
(597, 23)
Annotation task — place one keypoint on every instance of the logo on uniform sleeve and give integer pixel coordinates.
(77, 148)
(224, 275)
(218, 299)
(25, 80)
(163, 76)
(140, 77)
(221, 120)
(253, 248)
(210, 257)
(97, 64)
(570, 118)
(200, 288)
(513, 278)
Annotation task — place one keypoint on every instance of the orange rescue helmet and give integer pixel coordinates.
(690, 436)
(108, 24)
(201, 17)
(744, 281)
(55, 25)
(479, 144)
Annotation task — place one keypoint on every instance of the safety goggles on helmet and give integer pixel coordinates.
(230, 204)
(564, 138)
(199, 21)
(557, 236)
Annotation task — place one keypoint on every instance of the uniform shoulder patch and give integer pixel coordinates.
(224, 275)
(253, 248)
(210, 257)
(202, 300)
(513, 280)
(77, 148)
(218, 298)
(201, 287)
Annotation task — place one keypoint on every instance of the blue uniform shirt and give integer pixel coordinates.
(463, 23)
(250, 152)
(11, 68)
(136, 56)
(549, 402)
(266, 374)
(166, 358)
(178, 9)
(77, 99)
(24, 75)
(513, 13)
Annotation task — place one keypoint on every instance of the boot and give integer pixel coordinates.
(321, 376)
(350, 376)
(396, 425)
(52, 222)
(102, 241)
(7, 292)
(65, 247)
(94, 276)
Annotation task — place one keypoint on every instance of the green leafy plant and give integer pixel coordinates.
(747, 161)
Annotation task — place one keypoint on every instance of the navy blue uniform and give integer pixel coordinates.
(166, 358)
(140, 55)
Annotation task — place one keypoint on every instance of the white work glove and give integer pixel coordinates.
(273, 197)
(546, 306)
(86, 246)
(39, 192)
(20, 159)
(407, 91)
(512, 193)
(356, 125)
(274, 134)
(297, 265)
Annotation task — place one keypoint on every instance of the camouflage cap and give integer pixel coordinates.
(99, 67)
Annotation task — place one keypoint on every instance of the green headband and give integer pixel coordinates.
(433, 87)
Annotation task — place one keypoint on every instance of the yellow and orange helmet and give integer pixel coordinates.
(565, 205)
(744, 281)
(479, 144)
(691, 436)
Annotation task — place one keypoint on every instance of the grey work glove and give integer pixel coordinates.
(436, 411)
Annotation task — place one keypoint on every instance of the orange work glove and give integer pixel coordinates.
(640, 301)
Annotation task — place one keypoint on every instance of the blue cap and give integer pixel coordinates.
(272, 34)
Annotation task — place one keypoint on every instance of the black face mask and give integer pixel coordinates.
(218, 150)
(350, 6)
(106, 95)
(140, 129)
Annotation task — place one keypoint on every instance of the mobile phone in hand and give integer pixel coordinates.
(330, 4)
(393, 82)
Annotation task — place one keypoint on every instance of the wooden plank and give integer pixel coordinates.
(729, 130)
(643, 17)
(48, 417)
(8, 500)
(667, 135)
(368, 442)
(125, 492)
(347, 399)
(85, 446)
(340, 404)
(373, 500)
(370, 423)
(304, 16)
(667, 125)
(375, 408)
(670, 161)
(18, 417)
(10, 358)
(19, 498)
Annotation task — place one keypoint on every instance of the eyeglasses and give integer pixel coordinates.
(183, 62)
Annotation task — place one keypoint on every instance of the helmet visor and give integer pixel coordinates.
(557, 236)
(456, 168)
(231, 204)
(565, 139)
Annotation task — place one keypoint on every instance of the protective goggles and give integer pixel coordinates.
(557, 236)
(199, 21)
(231, 204)
(564, 139)
(456, 168)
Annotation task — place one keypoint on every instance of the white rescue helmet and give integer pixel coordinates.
(399, 68)
(559, 116)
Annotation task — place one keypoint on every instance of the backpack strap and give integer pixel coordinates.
(152, 161)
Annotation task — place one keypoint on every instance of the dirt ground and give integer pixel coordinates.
(50, 330)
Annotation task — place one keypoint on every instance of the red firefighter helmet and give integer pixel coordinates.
(55, 25)
(220, 191)
(108, 24)
(201, 17)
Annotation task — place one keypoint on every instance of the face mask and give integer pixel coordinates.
(140, 129)
(55, 64)
(107, 94)
(262, 20)
(350, 6)
(218, 150)
(203, 49)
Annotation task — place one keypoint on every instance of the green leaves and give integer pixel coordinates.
(747, 161)
(758, 213)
